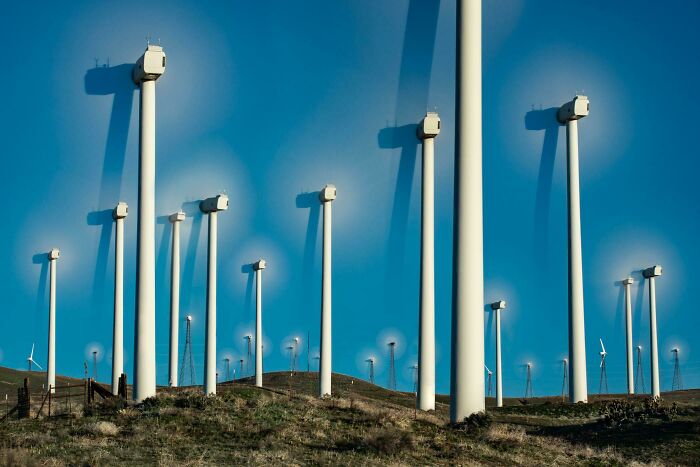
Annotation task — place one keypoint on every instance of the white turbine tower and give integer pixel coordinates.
(327, 195)
(211, 206)
(428, 129)
(650, 274)
(466, 385)
(30, 360)
(118, 214)
(175, 219)
(148, 68)
(627, 283)
(603, 372)
(258, 267)
(569, 114)
(497, 307)
(51, 360)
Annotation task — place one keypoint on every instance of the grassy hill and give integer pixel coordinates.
(362, 424)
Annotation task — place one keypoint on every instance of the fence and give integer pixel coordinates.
(60, 400)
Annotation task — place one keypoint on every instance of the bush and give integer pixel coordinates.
(619, 413)
(475, 423)
(194, 400)
(389, 442)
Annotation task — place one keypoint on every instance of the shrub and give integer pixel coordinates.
(475, 423)
(389, 442)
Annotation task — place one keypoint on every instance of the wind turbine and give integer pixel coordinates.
(327, 195)
(565, 381)
(51, 359)
(147, 69)
(466, 385)
(228, 368)
(211, 206)
(650, 274)
(489, 373)
(427, 130)
(175, 219)
(296, 347)
(569, 114)
(118, 214)
(291, 357)
(249, 355)
(528, 383)
(31, 360)
(258, 267)
(497, 307)
(627, 283)
(370, 365)
(603, 372)
(414, 370)
(640, 370)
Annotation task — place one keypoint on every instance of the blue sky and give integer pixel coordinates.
(268, 102)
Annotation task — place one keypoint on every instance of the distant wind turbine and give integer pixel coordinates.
(31, 360)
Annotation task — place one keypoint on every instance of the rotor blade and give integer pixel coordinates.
(602, 346)
(487, 369)
(32, 354)
(36, 364)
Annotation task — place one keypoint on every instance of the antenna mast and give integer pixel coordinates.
(565, 381)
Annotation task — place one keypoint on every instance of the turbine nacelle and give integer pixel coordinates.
(150, 66)
(653, 271)
(328, 193)
(121, 211)
(429, 127)
(499, 305)
(177, 216)
(214, 204)
(575, 109)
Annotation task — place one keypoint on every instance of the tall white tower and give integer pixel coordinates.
(428, 129)
(627, 283)
(174, 219)
(51, 360)
(569, 114)
(466, 385)
(119, 214)
(327, 195)
(258, 267)
(650, 274)
(497, 307)
(211, 206)
(148, 68)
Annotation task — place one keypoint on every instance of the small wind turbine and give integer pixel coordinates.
(296, 347)
(228, 368)
(489, 373)
(31, 360)
(639, 378)
(370, 365)
(528, 383)
(565, 381)
(291, 357)
(603, 373)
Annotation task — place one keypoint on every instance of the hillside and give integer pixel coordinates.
(362, 424)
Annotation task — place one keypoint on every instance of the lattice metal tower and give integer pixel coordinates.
(639, 378)
(677, 378)
(187, 365)
(392, 366)
(565, 381)
(528, 383)
(370, 368)
(291, 357)
(241, 365)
